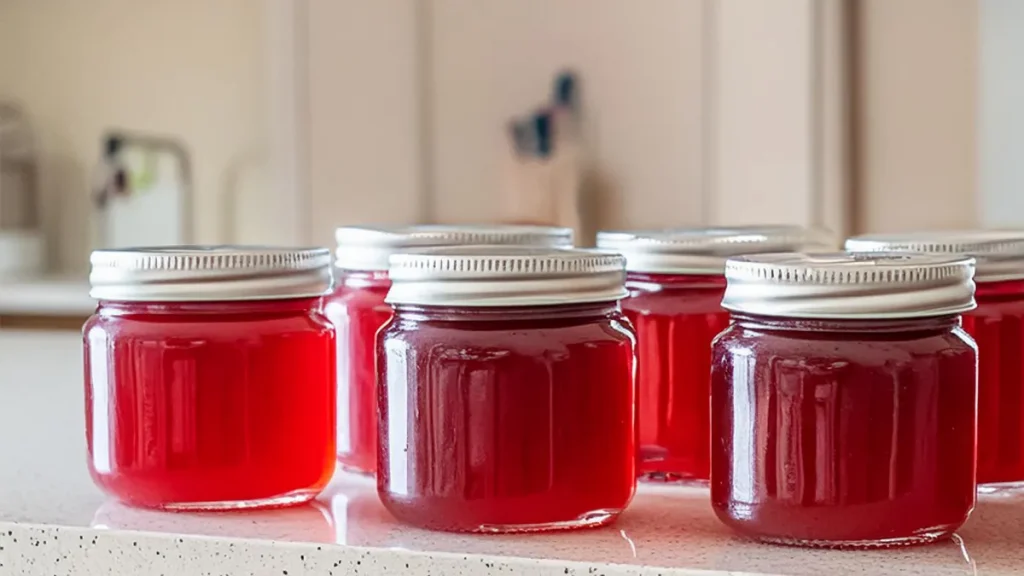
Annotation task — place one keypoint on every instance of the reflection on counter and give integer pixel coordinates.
(303, 523)
(666, 526)
(359, 517)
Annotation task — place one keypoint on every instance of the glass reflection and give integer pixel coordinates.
(309, 522)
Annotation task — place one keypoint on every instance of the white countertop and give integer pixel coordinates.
(54, 522)
(46, 296)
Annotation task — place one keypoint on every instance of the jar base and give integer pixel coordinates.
(594, 519)
(436, 519)
(926, 537)
(674, 478)
(1001, 488)
(290, 499)
(349, 469)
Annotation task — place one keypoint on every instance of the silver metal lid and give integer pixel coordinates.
(705, 250)
(209, 273)
(368, 248)
(999, 253)
(849, 285)
(491, 276)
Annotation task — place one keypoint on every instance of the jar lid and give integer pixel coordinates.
(999, 253)
(368, 248)
(850, 285)
(209, 273)
(705, 250)
(493, 276)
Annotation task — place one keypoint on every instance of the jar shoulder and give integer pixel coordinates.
(348, 302)
(524, 335)
(869, 347)
(205, 327)
(351, 294)
(998, 308)
(673, 300)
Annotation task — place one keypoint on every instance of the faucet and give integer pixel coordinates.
(117, 181)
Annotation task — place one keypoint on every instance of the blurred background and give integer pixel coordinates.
(274, 121)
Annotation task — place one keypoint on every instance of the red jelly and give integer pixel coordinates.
(675, 281)
(357, 310)
(843, 400)
(997, 325)
(507, 394)
(209, 377)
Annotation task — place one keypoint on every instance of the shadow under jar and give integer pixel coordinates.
(676, 282)
(209, 377)
(997, 326)
(357, 310)
(506, 390)
(843, 399)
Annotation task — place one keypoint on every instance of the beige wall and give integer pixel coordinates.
(192, 69)
(916, 114)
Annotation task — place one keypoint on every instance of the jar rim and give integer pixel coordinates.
(704, 250)
(208, 273)
(849, 285)
(370, 247)
(999, 253)
(504, 276)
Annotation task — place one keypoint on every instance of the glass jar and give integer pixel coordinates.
(209, 377)
(356, 308)
(997, 325)
(506, 390)
(843, 399)
(675, 281)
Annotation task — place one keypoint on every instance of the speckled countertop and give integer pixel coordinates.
(53, 522)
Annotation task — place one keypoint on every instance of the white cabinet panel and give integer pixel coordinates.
(917, 93)
(1001, 111)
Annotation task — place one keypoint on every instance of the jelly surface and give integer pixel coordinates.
(357, 310)
(210, 405)
(676, 317)
(843, 433)
(507, 420)
(997, 325)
